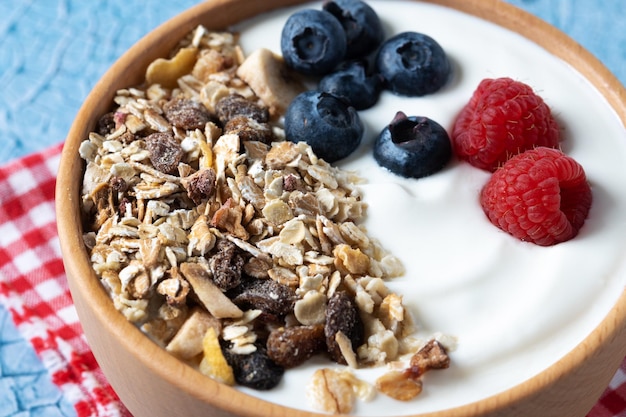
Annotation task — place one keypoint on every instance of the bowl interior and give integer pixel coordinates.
(130, 360)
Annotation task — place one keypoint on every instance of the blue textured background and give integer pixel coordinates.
(53, 51)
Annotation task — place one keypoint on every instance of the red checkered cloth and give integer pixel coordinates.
(34, 289)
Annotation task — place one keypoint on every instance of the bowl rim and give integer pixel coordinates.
(163, 38)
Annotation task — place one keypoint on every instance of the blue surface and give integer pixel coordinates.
(53, 51)
(25, 385)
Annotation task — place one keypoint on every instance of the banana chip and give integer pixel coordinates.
(166, 72)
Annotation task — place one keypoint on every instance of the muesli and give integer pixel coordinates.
(240, 253)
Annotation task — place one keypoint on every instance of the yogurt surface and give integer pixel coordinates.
(514, 308)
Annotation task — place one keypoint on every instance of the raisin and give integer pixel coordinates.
(250, 130)
(123, 206)
(255, 370)
(200, 185)
(226, 265)
(342, 315)
(237, 105)
(106, 124)
(186, 114)
(118, 184)
(292, 346)
(165, 152)
(269, 296)
(290, 183)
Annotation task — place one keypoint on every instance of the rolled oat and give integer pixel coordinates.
(210, 232)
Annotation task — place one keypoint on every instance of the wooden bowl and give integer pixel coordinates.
(150, 382)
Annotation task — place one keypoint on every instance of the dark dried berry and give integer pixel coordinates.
(250, 130)
(226, 265)
(237, 105)
(118, 184)
(123, 206)
(106, 124)
(267, 295)
(186, 114)
(292, 346)
(290, 183)
(165, 152)
(200, 185)
(342, 315)
(255, 370)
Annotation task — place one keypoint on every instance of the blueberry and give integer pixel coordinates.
(364, 31)
(354, 84)
(327, 123)
(413, 64)
(413, 147)
(313, 42)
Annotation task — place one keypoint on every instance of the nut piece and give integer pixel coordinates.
(399, 385)
(431, 356)
(351, 261)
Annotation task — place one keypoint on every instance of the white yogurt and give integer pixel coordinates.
(516, 308)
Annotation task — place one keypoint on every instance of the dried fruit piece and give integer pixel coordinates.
(200, 185)
(186, 113)
(106, 124)
(250, 130)
(237, 105)
(255, 370)
(208, 293)
(291, 346)
(342, 315)
(274, 299)
(226, 265)
(165, 152)
(214, 363)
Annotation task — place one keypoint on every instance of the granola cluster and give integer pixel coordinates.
(232, 248)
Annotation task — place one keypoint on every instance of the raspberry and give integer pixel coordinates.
(540, 196)
(504, 117)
